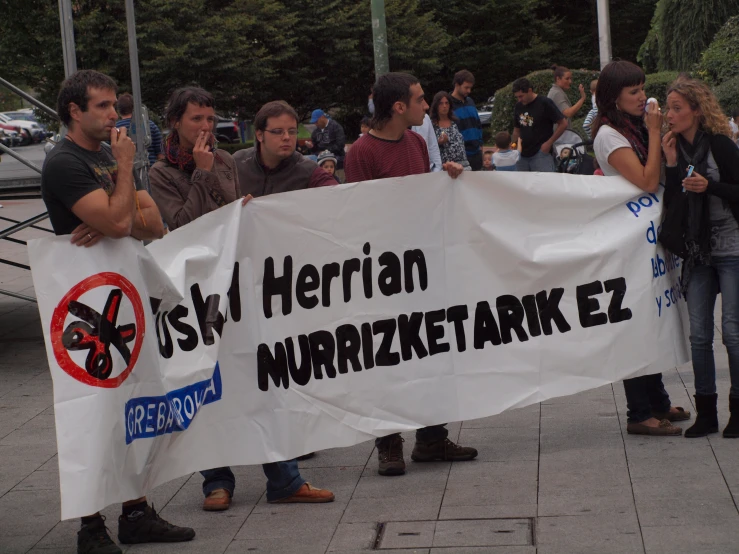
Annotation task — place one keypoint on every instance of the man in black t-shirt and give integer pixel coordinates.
(89, 192)
(534, 118)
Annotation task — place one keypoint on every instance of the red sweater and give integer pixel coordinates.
(375, 158)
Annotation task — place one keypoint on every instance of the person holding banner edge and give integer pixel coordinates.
(700, 138)
(627, 143)
(391, 149)
(89, 191)
(195, 179)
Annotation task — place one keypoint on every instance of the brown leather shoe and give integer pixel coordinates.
(217, 501)
(443, 450)
(680, 415)
(307, 494)
(665, 429)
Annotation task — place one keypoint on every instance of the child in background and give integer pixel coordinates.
(487, 161)
(505, 159)
(364, 126)
(327, 161)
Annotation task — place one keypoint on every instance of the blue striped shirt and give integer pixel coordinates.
(156, 147)
(469, 124)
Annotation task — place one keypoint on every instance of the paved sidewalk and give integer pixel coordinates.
(559, 477)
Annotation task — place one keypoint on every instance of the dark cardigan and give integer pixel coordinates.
(726, 154)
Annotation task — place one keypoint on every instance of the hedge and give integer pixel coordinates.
(728, 94)
(502, 118)
(720, 61)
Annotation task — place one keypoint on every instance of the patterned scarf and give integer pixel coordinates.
(183, 160)
(635, 131)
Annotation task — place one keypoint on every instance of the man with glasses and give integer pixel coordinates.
(273, 165)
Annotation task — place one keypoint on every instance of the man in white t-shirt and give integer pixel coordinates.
(426, 130)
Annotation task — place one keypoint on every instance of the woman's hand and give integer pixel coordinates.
(669, 147)
(201, 152)
(695, 183)
(245, 199)
(653, 117)
(443, 138)
(582, 91)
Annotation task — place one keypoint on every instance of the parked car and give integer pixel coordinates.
(486, 111)
(227, 130)
(12, 136)
(29, 130)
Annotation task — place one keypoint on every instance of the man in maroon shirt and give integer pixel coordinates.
(391, 149)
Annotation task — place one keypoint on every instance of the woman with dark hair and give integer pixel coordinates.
(699, 137)
(451, 142)
(195, 177)
(627, 143)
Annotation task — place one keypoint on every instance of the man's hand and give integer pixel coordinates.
(201, 152)
(695, 183)
(245, 199)
(453, 169)
(86, 236)
(122, 147)
(309, 143)
(546, 147)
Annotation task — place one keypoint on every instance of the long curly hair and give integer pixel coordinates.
(701, 98)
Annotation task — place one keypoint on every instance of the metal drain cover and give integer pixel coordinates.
(455, 533)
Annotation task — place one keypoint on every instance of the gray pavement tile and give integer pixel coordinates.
(26, 516)
(488, 512)
(696, 539)
(503, 444)
(30, 436)
(294, 545)
(419, 479)
(491, 484)
(354, 537)
(490, 532)
(592, 500)
(407, 534)
(39, 480)
(485, 550)
(414, 507)
(671, 507)
(518, 418)
(615, 534)
(597, 394)
(312, 524)
(357, 455)
(213, 540)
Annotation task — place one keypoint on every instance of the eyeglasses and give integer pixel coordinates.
(281, 132)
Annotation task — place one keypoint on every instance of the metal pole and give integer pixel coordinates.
(20, 158)
(28, 97)
(604, 32)
(65, 18)
(141, 161)
(379, 38)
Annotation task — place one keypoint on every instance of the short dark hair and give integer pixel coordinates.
(503, 140)
(434, 110)
(389, 89)
(275, 108)
(125, 104)
(74, 90)
(463, 76)
(614, 77)
(522, 84)
(177, 105)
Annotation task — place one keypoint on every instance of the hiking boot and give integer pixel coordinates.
(93, 538)
(307, 494)
(443, 450)
(390, 456)
(147, 526)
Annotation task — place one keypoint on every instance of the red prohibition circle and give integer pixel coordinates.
(60, 315)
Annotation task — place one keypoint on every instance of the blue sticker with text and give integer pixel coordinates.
(151, 416)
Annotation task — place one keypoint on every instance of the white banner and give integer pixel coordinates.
(326, 317)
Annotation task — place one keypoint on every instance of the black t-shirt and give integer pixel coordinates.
(536, 121)
(71, 172)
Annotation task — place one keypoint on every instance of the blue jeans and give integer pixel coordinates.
(283, 479)
(424, 434)
(644, 395)
(705, 283)
(538, 162)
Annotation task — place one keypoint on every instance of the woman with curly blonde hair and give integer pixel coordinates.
(703, 172)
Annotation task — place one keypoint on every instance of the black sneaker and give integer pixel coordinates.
(93, 538)
(147, 526)
(390, 456)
